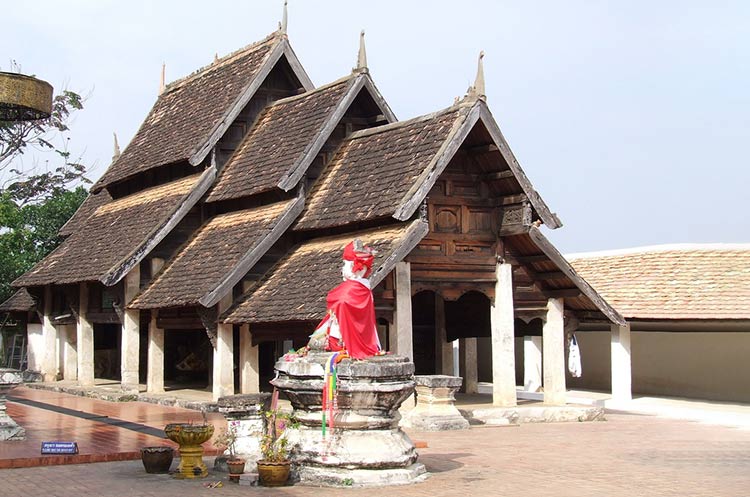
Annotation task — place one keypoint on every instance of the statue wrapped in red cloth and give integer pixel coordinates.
(349, 324)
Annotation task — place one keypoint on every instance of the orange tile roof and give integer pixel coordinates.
(673, 281)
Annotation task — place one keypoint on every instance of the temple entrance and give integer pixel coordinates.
(187, 356)
(107, 351)
(423, 332)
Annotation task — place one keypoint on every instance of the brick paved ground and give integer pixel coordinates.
(628, 455)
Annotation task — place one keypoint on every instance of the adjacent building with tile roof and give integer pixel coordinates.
(224, 218)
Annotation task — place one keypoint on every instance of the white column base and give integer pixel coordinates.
(155, 367)
(503, 339)
(249, 364)
(621, 363)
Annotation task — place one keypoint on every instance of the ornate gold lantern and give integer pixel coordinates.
(23, 98)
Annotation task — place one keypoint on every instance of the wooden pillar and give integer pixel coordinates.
(130, 344)
(443, 348)
(223, 363)
(249, 362)
(467, 349)
(155, 366)
(401, 343)
(532, 363)
(49, 339)
(85, 339)
(553, 346)
(503, 337)
(621, 362)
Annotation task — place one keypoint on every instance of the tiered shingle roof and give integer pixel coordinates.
(672, 282)
(214, 251)
(88, 207)
(21, 301)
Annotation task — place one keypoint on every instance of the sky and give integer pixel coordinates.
(631, 119)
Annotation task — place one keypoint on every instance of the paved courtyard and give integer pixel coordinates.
(624, 456)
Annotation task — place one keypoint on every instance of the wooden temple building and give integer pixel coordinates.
(207, 248)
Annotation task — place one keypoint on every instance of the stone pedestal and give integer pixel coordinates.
(243, 414)
(9, 429)
(366, 447)
(435, 409)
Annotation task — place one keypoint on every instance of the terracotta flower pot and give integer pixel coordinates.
(273, 474)
(157, 459)
(236, 468)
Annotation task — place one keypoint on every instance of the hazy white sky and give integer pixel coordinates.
(632, 118)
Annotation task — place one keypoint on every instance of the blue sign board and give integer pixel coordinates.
(59, 448)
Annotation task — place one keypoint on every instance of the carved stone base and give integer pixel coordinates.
(435, 409)
(338, 477)
(9, 429)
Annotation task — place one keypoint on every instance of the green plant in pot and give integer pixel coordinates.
(228, 438)
(274, 466)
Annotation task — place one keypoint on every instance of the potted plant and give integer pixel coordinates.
(273, 467)
(228, 438)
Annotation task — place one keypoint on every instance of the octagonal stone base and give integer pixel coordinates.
(9, 429)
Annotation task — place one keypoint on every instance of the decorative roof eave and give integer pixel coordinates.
(549, 218)
(119, 270)
(255, 252)
(555, 256)
(359, 81)
(417, 193)
(201, 151)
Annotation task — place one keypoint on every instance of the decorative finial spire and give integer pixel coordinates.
(477, 90)
(282, 26)
(116, 154)
(362, 55)
(216, 57)
(161, 81)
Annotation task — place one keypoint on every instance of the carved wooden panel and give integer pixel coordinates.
(466, 189)
(474, 249)
(447, 219)
(480, 220)
(437, 189)
(429, 247)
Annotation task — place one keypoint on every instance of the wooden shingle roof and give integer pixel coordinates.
(88, 207)
(672, 282)
(192, 113)
(21, 301)
(228, 244)
(118, 234)
(374, 169)
(295, 289)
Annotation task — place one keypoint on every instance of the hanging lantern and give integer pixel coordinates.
(23, 98)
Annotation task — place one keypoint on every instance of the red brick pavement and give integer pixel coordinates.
(626, 456)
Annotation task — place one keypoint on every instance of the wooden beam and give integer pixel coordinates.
(513, 229)
(528, 259)
(482, 149)
(507, 174)
(549, 275)
(562, 293)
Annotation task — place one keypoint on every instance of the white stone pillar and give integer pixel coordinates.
(553, 346)
(503, 339)
(49, 334)
(130, 343)
(621, 362)
(443, 348)
(85, 339)
(155, 366)
(401, 343)
(250, 367)
(223, 364)
(532, 363)
(468, 364)
(68, 341)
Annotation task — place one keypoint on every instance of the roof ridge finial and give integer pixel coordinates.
(216, 57)
(161, 81)
(283, 24)
(116, 154)
(477, 89)
(362, 54)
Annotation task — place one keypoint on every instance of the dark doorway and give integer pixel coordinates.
(107, 351)
(187, 355)
(423, 332)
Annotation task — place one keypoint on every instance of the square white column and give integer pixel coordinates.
(467, 349)
(621, 362)
(401, 337)
(69, 359)
(84, 339)
(532, 363)
(503, 337)
(443, 348)
(553, 346)
(250, 367)
(223, 364)
(155, 366)
(49, 338)
(131, 338)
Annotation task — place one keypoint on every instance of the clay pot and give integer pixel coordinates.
(236, 468)
(273, 474)
(157, 459)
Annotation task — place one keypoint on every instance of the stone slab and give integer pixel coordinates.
(358, 478)
(532, 414)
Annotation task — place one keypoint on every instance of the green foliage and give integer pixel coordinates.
(274, 445)
(28, 232)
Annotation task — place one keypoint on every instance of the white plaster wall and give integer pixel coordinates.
(35, 346)
(711, 365)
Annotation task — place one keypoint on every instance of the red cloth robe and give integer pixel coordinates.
(354, 308)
